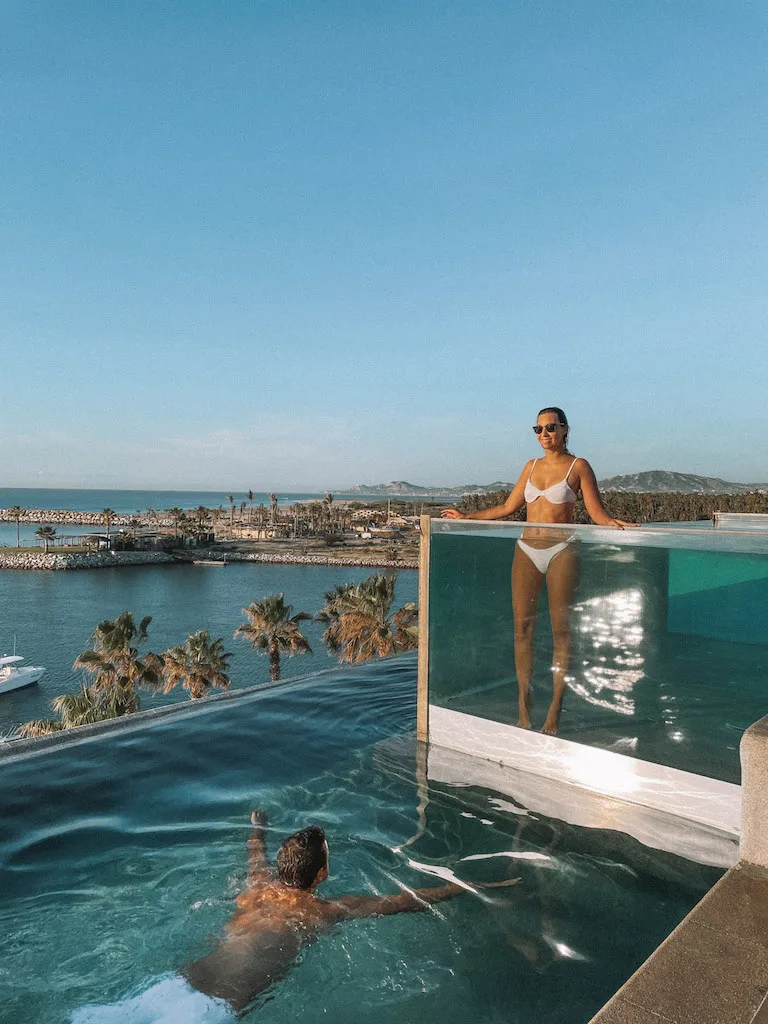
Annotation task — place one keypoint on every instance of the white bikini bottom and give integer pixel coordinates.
(542, 557)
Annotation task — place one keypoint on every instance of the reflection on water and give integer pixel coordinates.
(611, 622)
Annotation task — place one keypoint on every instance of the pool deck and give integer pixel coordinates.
(713, 968)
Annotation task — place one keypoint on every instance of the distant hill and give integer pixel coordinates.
(659, 481)
(401, 488)
(654, 481)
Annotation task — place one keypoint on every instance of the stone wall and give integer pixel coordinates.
(96, 560)
(65, 517)
(370, 562)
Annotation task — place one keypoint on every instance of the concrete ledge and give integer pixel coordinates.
(713, 968)
(754, 781)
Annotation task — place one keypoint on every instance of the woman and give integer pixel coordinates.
(548, 486)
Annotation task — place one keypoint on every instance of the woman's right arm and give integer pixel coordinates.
(513, 504)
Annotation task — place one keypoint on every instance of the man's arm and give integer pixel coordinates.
(257, 846)
(347, 908)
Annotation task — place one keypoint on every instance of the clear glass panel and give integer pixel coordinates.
(661, 635)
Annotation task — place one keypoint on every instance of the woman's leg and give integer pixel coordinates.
(527, 582)
(562, 580)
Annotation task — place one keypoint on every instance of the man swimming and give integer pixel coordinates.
(279, 913)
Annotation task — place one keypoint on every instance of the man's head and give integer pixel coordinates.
(302, 860)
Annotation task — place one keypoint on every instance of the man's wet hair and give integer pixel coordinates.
(302, 857)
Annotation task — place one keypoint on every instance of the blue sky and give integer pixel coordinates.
(307, 244)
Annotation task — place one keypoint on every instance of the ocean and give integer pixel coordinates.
(130, 502)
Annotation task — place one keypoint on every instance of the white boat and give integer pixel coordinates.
(13, 676)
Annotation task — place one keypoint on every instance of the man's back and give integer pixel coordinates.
(261, 940)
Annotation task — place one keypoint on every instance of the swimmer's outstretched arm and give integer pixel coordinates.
(257, 846)
(346, 908)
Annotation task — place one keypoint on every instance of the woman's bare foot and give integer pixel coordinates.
(525, 704)
(553, 721)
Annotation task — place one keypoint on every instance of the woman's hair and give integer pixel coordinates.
(562, 418)
(302, 857)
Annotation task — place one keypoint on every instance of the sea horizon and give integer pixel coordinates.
(132, 500)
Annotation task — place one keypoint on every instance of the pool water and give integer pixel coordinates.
(669, 647)
(120, 857)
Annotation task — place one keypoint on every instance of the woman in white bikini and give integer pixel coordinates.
(546, 554)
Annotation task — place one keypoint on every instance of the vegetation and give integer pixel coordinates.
(108, 515)
(17, 514)
(199, 664)
(272, 629)
(46, 534)
(82, 708)
(359, 624)
(113, 658)
(358, 627)
(639, 507)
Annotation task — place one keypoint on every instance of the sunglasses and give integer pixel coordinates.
(549, 427)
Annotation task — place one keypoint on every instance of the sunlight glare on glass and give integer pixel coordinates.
(613, 625)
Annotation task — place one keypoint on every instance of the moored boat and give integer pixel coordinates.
(13, 676)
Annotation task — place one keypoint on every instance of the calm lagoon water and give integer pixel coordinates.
(52, 615)
(120, 858)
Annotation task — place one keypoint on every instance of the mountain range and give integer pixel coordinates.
(652, 481)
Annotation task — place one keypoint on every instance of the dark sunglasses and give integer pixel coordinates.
(549, 427)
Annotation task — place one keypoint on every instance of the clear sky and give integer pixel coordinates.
(303, 244)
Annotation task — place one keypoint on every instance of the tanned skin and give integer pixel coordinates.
(273, 921)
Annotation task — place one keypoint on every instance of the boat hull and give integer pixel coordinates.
(19, 678)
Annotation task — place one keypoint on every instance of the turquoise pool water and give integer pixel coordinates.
(668, 648)
(52, 614)
(120, 858)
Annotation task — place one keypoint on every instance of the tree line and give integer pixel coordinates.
(639, 507)
(358, 627)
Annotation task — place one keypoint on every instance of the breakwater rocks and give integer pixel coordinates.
(100, 560)
(369, 562)
(64, 517)
(107, 560)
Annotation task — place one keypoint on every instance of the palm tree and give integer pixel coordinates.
(84, 708)
(114, 657)
(198, 664)
(108, 515)
(360, 626)
(329, 509)
(273, 503)
(46, 533)
(250, 505)
(184, 525)
(231, 500)
(176, 515)
(17, 514)
(273, 629)
(202, 517)
(331, 613)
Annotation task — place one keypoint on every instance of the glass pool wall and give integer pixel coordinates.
(669, 637)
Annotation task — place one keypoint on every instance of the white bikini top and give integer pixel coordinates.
(557, 494)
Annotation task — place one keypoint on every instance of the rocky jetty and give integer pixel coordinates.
(370, 562)
(96, 560)
(65, 517)
(109, 560)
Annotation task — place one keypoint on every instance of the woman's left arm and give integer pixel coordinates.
(592, 500)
